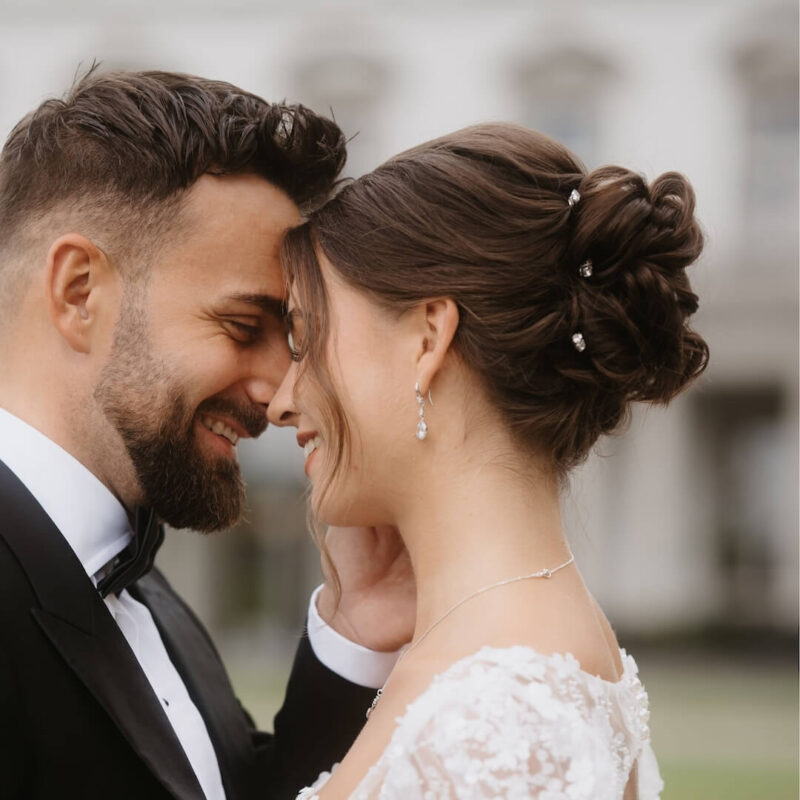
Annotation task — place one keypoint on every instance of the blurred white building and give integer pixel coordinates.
(690, 518)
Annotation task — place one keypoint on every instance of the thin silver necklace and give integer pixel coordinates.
(542, 573)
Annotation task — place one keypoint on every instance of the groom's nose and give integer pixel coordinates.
(281, 409)
(262, 372)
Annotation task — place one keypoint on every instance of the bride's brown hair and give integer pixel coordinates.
(483, 216)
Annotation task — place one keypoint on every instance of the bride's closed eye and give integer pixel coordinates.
(294, 350)
(294, 337)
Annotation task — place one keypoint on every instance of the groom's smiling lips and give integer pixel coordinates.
(224, 427)
(226, 431)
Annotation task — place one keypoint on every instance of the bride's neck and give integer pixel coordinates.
(478, 520)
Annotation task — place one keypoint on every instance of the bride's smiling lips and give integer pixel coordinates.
(310, 441)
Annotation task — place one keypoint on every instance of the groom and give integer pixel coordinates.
(141, 336)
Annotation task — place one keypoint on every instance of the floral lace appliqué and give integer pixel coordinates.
(513, 723)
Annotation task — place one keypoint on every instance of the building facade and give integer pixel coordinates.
(689, 518)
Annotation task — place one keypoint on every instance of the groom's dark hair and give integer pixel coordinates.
(118, 152)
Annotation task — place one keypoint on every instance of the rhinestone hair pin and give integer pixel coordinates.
(578, 341)
(586, 269)
(574, 197)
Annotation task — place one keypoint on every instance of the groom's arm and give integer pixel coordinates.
(349, 659)
(332, 684)
(322, 714)
(353, 641)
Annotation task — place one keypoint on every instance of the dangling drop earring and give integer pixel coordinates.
(422, 426)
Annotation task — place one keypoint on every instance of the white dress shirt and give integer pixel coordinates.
(96, 527)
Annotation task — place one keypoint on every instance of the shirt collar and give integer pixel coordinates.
(90, 518)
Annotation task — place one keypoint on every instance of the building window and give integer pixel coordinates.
(767, 71)
(748, 460)
(561, 94)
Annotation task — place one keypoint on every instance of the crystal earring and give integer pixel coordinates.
(422, 426)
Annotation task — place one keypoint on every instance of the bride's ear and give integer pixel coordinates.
(440, 325)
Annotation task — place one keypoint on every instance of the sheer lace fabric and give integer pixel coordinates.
(513, 723)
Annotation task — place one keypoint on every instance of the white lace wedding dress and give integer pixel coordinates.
(513, 723)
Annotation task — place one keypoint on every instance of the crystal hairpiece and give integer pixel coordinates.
(586, 269)
(578, 341)
(574, 197)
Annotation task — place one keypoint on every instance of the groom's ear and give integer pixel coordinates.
(440, 322)
(80, 287)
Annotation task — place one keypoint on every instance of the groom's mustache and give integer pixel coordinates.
(252, 418)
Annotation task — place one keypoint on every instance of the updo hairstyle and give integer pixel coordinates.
(483, 216)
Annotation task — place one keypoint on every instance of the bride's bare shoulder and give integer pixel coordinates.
(548, 617)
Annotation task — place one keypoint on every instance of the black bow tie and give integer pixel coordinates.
(137, 558)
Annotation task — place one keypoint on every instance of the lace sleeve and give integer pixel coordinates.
(522, 728)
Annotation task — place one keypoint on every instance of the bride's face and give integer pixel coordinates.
(353, 407)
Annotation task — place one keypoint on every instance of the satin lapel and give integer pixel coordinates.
(80, 627)
(201, 668)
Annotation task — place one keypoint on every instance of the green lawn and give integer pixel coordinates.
(728, 782)
(722, 728)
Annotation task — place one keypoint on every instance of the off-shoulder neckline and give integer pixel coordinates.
(630, 670)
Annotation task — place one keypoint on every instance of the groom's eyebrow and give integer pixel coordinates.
(274, 306)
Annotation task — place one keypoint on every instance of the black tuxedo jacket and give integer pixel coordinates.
(78, 717)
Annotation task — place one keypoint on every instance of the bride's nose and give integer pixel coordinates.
(281, 409)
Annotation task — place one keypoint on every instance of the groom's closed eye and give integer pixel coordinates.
(244, 331)
(249, 318)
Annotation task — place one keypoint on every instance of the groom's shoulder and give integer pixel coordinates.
(17, 595)
(31, 546)
(19, 509)
(14, 507)
(18, 571)
(12, 572)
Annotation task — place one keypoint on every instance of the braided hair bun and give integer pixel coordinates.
(633, 307)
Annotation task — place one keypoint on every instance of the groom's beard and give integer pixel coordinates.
(187, 487)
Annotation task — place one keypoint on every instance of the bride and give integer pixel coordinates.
(465, 322)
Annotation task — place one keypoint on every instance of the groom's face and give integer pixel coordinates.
(199, 350)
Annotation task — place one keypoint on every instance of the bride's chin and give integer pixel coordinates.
(331, 519)
(324, 511)
(335, 505)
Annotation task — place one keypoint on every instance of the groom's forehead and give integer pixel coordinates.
(247, 202)
(261, 293)
(228, 241)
